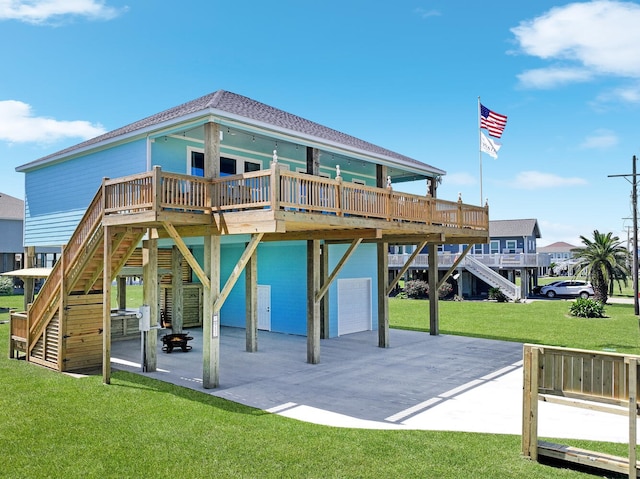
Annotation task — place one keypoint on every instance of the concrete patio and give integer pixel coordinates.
(420, 382)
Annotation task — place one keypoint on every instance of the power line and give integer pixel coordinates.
(634, 200)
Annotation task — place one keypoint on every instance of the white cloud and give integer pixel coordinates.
(427, 13)
(554, 232)
(600, 139)
(533, 180)
(18, 125)
(43, 11)
(550, 77)
(627, 94)
(600, 37)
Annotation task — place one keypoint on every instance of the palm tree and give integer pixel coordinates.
(605, 260)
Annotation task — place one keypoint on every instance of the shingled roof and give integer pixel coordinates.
(557, 247)
(11, 208)
(221, 102)
(509, 228)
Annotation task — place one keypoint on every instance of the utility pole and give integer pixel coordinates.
(634, 201)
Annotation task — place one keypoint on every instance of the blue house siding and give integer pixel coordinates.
(59, 194)
(282, 265)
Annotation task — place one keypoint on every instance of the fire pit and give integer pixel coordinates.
(178, 340)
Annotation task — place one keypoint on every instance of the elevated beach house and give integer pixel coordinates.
(233, 213)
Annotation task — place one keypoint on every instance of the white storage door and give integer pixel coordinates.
(264, 307)
(354, 305)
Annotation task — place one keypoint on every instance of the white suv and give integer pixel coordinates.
(567, 288)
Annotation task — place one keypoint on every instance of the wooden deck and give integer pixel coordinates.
(63, 328)
(286, 205)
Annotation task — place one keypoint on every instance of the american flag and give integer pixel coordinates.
(492, 121)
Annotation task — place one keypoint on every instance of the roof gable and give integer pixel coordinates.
(11, 208)
(224, 102)
(557, 247)
(508, 228)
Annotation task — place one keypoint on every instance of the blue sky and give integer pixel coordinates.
(405, 75)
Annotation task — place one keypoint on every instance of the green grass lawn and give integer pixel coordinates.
(53, 425)
(543, 322)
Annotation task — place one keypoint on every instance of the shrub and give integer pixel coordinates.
(587, 308)
(416, 288)
(498, 295)
(444, 290)
(6, 285)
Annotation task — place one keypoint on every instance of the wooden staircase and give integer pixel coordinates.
(65, 322)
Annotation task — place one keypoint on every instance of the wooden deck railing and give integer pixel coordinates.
(41, 311)
(281, 189)
(591, 380)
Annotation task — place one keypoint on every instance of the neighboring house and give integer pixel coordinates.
(250, 216)
(11, 225)
(561, 255)
(511, 252)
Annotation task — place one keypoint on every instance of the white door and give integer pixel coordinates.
(264, 307)
(354, 305)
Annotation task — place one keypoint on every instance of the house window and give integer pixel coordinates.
(251, 166)
(196, 163)
(510, 246)
(228, 166)
(494, 247)
(477, 249)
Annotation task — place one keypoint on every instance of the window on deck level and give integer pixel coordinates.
(228, 166)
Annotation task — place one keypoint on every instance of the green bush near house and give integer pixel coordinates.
(587, 308)
(416, 289)
(498, 295)
(6, 285)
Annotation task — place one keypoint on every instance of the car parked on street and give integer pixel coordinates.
(572, 288)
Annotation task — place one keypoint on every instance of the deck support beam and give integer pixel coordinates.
(184, 249)
(434, 320)
(29, 282)
(251, 303)
(313, 304)
(106, 307)
(177, 291)
(382, 251)
(211, 317)
(324, 302)
(150, 298)
(211, 274)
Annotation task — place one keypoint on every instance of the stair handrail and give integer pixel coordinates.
(510, 289)
(87, 226)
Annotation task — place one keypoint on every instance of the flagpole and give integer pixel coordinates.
(480, 149)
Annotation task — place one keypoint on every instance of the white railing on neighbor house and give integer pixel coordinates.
(499, 260)
(491, 277)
